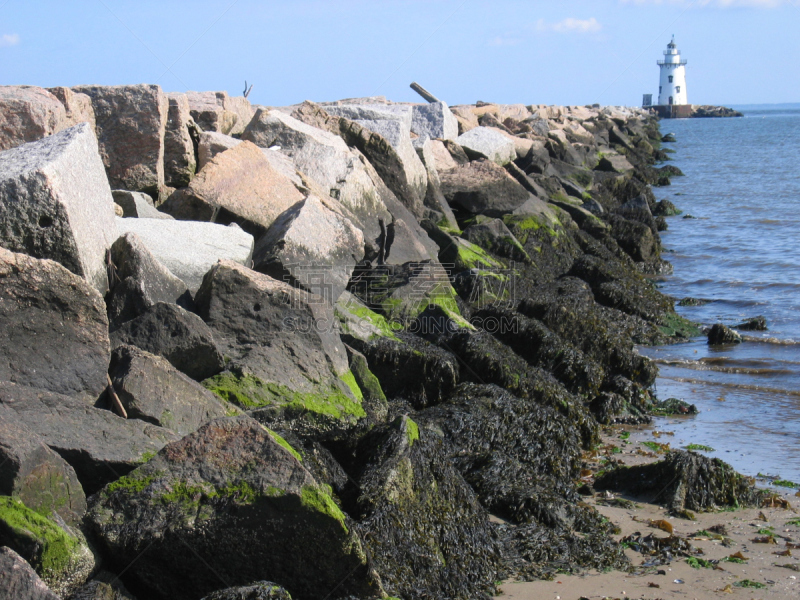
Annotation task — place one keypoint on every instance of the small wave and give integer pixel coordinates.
(740, 386)
(770, 340)
(720, 368)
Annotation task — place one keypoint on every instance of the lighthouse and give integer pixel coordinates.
(672, 88)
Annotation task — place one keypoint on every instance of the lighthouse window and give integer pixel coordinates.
(677, 89)
(659, 89)
(670, 78)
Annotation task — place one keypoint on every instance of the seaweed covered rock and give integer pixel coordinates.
(33, 473)
(720, 334)
(60, 555)
(18, 580)
(684, 481)
(98, 444)
(53, 328)
(487, 360)
(152, 390)
(176, 334)
(263, 590)
(426, 533)
(241, 501)
(103, 586)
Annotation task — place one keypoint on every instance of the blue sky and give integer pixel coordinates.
(554, 52)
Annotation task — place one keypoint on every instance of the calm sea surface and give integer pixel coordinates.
(741, 252)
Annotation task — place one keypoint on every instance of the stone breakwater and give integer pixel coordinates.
(254, 352)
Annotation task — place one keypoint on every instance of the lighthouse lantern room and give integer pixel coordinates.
(672, 88)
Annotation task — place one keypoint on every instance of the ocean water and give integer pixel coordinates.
(741, 253)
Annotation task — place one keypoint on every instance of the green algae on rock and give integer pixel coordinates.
(60, 556)
(244, 504)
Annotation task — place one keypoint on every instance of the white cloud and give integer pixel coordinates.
(570, 25)
(716, 3)
(9, 39)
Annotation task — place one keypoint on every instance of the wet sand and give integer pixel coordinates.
(679, 580)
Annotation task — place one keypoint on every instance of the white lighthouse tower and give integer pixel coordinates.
(672, 89)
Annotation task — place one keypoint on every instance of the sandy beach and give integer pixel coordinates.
(679, 580)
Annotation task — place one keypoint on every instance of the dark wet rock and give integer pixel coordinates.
(693, 302)
(670, 171)
(669, 138)
(98, 444)
(482, 187)
(313, 246)
(139, 282)
(401, 292)
(263, 590)
(614, 163)
(176, 334)
(238, 186)
(103, 586)
(410, 368)
(53, 328)
(403, 476)
(494, 236)
(33, 473)
(241, 501)
(720, 334)
(661, 224)
(635, 238)
(674, 406)
(707, 111)
(486, 360)
(374, 397)
(18, 580)
(55, 202)
(60, 555)
(684, 481)
(131, 121)
(567, 307)
(538, 345)
(152, 390)
(620, 288)
(753, 324)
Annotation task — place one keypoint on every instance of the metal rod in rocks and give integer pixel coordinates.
(424, 93)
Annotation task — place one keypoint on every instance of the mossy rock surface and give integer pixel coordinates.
(241, 500)
(263, 590)
(60, 557)
(413, 508)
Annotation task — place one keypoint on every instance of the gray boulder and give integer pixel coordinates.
(238, 185)
(434, 121)
(189, 249)
(483, 142)
(131, 121)
(33, 473)
(152, 390)
(312, 245)
(55, 203)
(327, 161)
(238, 497)
(53, 328)
(482, 187)
(98, 444)
(176, 334)
(59, 554)
(434, 199)
(209, 111)
(19, 581)
(140, 281)
(28, 114)
(212, 143)
(286, 356)
(180, 162)
(614, 163)
(78, 107)
(137, 205)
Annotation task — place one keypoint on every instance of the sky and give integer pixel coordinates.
(509, 51)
